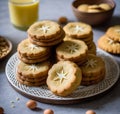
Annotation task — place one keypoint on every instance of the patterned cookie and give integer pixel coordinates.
(48, 43)
(33, 70)
(64, 77)
(24, 82)
(44, 30)
(109, 45)
(93, 70)
(78, 29)
(114, 33)
(29, 50)
(73, 50)
(28, 60)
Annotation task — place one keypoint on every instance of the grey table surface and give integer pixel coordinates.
(53, 9)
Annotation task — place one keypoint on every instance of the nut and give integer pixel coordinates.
(48, 111)
(63, 20)
(90, 112)
(31, 104)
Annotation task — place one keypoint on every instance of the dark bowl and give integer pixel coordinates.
(93, 18)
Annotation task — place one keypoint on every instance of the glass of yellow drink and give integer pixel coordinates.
(23, 13)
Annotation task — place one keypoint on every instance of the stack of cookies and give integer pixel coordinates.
(93, 70)
(72, 50)
(81, 31)
(76, 65)
(35, 51)
(46, 33)
(110, 41)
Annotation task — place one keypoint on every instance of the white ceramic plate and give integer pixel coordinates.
(43, 94)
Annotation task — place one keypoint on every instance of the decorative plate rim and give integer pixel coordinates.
(34, 91)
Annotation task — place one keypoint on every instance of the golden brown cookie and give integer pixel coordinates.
(48, 43)
(29, 60)
(64, 77)
(24, 82)
(114, 33)
(105, 6)
(44, 30)
(77, 29)
(26, 48)
(83, 7)
(33, 70)
(109, 45)
(93, 69)
(73, 50)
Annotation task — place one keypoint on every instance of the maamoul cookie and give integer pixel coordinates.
(78, 29)
(33, 70)
(93, 70)
(25, 82)
(83, 7)
(46, 33)
(73, 50)
(31, 53)
(64, 77)
(114, 33)
(109, 45)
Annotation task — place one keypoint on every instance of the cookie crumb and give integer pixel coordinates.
(63, 20)
(17, 99)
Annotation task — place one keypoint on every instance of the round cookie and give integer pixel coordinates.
(26, 48)
(105, 6)
(114, 33)
(24, 82)
(93, 70)
(73, 50)
(64, 77)
(78, 29)
(33, 70)
(109, 45)
(83, 7)
(44, 30)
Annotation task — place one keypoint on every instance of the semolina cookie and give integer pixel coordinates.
(109, 45)
(60, 35)
(37, 79)
(91, 82)
(37, 70)
(93, 69)
(28, 60)
(95, 6)
(64, 77)
(26, 48)
(73, 50)
(94, 10)
(77, 29)
(114, 33)
(105, 6)
(44, 30)
(48, 44)
(83, 7)
(24, 82)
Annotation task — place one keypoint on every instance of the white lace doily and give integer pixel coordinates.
(43, 94)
